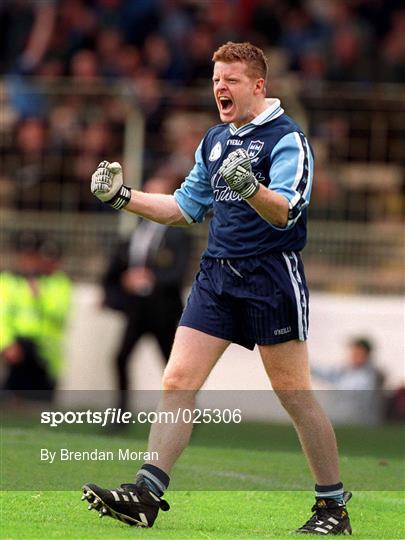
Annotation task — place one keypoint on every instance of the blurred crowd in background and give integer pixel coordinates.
(343, 40)
(159, 52)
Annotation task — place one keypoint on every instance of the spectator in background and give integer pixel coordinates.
(51, 69)
(128, 62)
(266, 20)
(84, 67)
(138, 19)
(108, 46)
(359, 373)
(200, 44)
(147, 92)
(175, 24)
(355, 395)
(34, 304)
(94, 139)
(111, 13)
(144, 281)
(347, 62)
(182, 131)
(393, 50)
(64, 127)
(77, 27)
(29, 173)
(26, 30)
(223, 21)
(302, 32)
(312, 65)
(350, 45)
(158, 57)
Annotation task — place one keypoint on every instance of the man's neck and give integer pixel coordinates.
(260, 107)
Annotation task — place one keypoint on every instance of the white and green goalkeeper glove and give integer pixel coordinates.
(237, 173)
(107, 185)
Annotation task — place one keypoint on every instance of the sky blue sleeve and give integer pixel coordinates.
(291, 173)
(195, 195)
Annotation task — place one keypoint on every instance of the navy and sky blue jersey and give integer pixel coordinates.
(281, 160)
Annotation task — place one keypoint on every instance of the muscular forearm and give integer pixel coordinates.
(271, 206)
(156, 207)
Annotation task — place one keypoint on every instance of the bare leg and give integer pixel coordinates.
(193, 356)
(287, 367)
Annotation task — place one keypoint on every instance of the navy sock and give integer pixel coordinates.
(155, 479)
(333, 491)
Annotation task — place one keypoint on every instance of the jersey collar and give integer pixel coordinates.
(273, 111)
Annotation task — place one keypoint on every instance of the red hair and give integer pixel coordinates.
(245, 52)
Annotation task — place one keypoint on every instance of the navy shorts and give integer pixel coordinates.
(257, 300)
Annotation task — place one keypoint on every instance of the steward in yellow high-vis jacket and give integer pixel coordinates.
(34, 305)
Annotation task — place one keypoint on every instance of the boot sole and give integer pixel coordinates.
(97, 503)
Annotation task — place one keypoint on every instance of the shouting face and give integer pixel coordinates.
(239, 95)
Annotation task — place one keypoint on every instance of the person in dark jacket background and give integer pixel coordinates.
(144, 280)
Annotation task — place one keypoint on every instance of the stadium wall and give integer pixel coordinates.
(94, 332)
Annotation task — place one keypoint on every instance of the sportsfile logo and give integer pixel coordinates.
(112, 415)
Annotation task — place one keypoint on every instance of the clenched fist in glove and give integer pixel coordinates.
(237, 173)
(107, 185)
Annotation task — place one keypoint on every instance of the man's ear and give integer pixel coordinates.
(259, 87)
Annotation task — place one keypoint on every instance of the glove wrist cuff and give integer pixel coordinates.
(250, 189)
(121, 198)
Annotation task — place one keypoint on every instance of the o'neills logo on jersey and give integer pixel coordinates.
(215, 152)
(234, 142)
(254, 148)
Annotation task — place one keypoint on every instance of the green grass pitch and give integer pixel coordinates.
(197, 514)
(246, 481)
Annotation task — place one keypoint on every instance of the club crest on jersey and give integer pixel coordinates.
(254, 148)
(215, 152)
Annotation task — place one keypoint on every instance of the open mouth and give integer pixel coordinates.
(225, 104)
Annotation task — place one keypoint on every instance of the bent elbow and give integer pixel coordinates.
(280, 220)
(177, 220)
